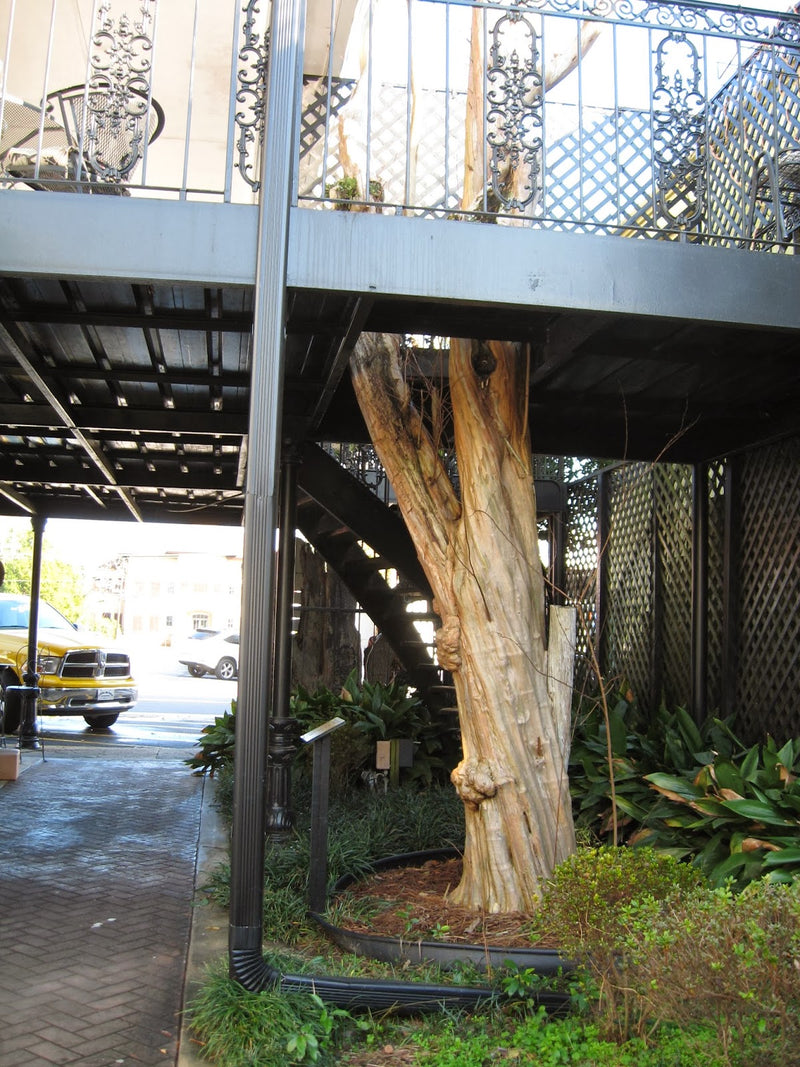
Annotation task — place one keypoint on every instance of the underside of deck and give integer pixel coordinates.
(126, 355)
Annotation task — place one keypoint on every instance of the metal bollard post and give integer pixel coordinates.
(320, 737)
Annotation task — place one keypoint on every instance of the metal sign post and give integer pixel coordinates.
(320, 737)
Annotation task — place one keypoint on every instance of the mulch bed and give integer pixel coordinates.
(413, 903)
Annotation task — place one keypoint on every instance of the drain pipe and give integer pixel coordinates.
(266, 388)
(283, 727)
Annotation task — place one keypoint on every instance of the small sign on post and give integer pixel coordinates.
(392, 755)
(320, 737)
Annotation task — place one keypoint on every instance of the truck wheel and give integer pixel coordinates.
(11, 703)
(226, 668)
(101, 722)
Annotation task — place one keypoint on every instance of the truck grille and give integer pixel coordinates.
(95, 663)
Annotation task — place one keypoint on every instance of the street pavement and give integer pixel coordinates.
(105, 931)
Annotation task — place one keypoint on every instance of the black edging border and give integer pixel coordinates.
(252, 970)
(445, 953)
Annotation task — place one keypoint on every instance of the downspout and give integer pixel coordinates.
(258, 578)
(282, 727)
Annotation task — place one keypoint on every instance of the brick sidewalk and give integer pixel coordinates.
(97, 869)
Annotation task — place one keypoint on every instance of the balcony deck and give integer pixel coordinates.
(656, 330)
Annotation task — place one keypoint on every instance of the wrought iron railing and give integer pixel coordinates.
(660, 119)
(636, 118)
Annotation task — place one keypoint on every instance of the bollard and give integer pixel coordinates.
(320, 737)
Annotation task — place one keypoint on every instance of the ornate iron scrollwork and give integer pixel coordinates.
(679, 130)
(117, 98)
(514, 114)
(251, 94)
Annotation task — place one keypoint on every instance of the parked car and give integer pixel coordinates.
(211, 652)
(80, 673)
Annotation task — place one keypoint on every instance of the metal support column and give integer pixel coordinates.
(282, 727)
(28, 735)
(255, 683)
(731, 545)
(699, 591)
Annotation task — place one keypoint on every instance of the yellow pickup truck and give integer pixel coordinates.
(79, 673)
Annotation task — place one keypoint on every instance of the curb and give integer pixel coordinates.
(208, 933)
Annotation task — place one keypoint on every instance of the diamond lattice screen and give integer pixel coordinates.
(630, 620)
(580, 582)
(768, 645)
(672, 653)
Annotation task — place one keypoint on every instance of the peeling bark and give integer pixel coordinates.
(481, 556)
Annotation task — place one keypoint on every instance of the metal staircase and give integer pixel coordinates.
(362, 538)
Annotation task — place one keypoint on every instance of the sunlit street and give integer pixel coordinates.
(172, 709)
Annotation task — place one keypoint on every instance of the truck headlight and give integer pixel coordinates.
(48, 664)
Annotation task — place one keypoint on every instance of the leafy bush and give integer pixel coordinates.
(215, 744)
(638, 743)
(660, 947)
(724, 959)
(694, 792)
(372, 712)
(736, 819)
(584, 905)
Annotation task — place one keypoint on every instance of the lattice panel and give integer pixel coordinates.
(673, 644)
(757, 112)
(630, 593)
(581, 535)
(319, 107)
(610, 188)
(768, 675)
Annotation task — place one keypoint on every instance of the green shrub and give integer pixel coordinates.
(639, 743)
(720, 959)
(583, 903)
(215, 744)
(695, 792)
(374, 712)
(736, 818)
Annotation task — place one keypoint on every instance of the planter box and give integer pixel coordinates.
(9, 764)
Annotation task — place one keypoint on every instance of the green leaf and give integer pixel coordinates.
(749, 767)
(728, 777)
(783, 858)
(674, 787)
(786, 756)
(619, 733)
(688, 729)
(756, 810)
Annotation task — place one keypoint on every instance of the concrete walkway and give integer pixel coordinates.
(100, 941)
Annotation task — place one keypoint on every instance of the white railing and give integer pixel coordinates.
(623, 116)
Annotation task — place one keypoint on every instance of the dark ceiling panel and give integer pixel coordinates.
(116, 396)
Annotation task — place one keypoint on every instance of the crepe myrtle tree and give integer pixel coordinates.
(479, 548)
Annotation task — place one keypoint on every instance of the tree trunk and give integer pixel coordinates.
(481, 556)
